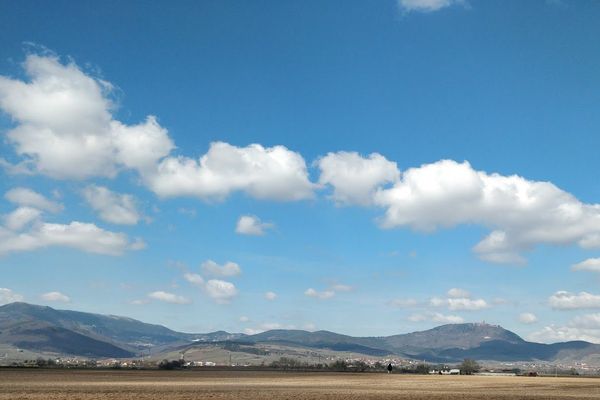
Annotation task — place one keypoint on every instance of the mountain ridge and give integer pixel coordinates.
(42, 328)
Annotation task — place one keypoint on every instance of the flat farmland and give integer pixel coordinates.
(175, 385)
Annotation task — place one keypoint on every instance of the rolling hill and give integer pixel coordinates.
(40, 328)
(47, 330)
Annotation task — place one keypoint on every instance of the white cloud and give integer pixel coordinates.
(355, 178)
(553, 334)
(55, 297)
(267, 326)
(65, 128)
(264, 173)
(229, 269)
(563, 300)
(329, 292)
(311, 327)
(194, 279)
(168, 297)
(522, 213)
(8, 296)
(437, 302)
(427, 5)
(273, 325)
(447, 319)
(21, 217)
(591, 264)
(466, 304)
(459, 299)
(587, 321)
(243, 318)
(252, 225)
(527, 318)
(28, 198)
(78, 235)
(270, 296)
(458, 293)
(112, 207)
(436, 317)
(221, 292)
(24, 229)
(323, 295)
(584, 327)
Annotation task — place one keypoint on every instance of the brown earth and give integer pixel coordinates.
(176, 385)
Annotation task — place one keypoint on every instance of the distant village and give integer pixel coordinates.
(398, 366)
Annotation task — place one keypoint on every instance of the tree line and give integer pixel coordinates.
(467, 367)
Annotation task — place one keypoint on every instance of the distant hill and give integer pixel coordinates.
(418, 344)
(45, 338)
(499, 350)
(323, 340)
(462, 336)
(47, 330)
(446, 343)
(42, 328)
(309, 338)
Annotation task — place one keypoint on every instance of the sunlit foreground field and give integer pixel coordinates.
(65, 384)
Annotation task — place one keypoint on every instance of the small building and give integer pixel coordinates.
(449, 371)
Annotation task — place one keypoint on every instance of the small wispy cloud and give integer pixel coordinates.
(563, 300)
(270, 296)
(55, 297)
(112, 207)
(221, 292)
(427, 5)
(436, 317)
(168, 297)
(321, 295)
(527, 318)
(228, 269)
(590, 265)
(9, 296)
(252, 225)
(329, 292)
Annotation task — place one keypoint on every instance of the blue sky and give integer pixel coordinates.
(369, 168)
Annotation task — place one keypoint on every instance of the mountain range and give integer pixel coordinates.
(46, 330)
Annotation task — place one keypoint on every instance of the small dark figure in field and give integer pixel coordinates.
(389, 368)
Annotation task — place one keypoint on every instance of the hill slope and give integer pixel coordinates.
(462, 336)
(41, 328)
(432, 341)
(44, 329)
(41, 337)
(446, 343)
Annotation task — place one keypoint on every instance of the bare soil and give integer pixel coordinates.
(175, 385)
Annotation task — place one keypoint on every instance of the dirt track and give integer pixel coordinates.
(176, 385)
